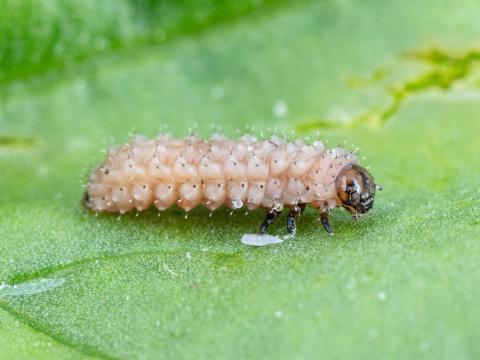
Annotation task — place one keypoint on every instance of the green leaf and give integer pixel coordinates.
(398, 79)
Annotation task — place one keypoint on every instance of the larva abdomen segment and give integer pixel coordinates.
(239, 173)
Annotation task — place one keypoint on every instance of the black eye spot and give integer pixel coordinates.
(121, 189)
(144, 186)
(219, 185)
(261, 186)
(103, 197)
(307, 188)
(169, 186)
(243, 185)
(107, 171)
(275, 161)
(194, 186)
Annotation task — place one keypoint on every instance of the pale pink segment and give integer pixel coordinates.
(239, 173)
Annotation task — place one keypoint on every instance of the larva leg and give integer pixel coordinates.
(324, 214)
(293, 216)
(270, 218)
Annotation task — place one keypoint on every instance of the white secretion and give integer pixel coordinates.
(260, 239)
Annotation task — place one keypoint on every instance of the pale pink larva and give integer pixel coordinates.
(272, 174)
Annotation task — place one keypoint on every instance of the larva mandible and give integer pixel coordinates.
(271, 174)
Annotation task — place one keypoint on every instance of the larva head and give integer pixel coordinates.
(356, 189)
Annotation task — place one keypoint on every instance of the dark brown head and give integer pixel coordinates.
(356, 189)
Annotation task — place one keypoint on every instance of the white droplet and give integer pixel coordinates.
(189, 256)
(280, 109)
(237, 203)
(260, 240)
(278, 314)
(217, 92)
(381, 296)
(350, 285)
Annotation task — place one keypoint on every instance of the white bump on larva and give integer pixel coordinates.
(237, 203)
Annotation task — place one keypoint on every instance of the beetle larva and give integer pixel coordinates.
(271, 174)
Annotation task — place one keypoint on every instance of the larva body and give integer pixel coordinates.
(270, 174)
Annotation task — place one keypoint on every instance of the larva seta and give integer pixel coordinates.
(272, 174)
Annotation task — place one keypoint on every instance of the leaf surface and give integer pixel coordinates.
(398, 79)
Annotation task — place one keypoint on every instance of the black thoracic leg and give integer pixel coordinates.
(270, 218)
(324, 213)
(293, 216)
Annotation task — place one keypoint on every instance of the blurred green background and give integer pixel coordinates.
(398, 79)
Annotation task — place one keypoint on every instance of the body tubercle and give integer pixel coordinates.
(272, 174)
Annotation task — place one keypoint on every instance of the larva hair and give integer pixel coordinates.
(271, 174)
